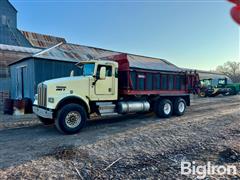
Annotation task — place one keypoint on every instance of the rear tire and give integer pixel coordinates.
(179, 107)
(46, 121)
(202, 94)
(233, 92)
(71, 119)
(164, 108)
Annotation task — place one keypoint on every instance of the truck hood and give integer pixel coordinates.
(58, 89)
(77, 86)
(65, 80)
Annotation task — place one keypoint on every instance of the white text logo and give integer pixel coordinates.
(188, 168)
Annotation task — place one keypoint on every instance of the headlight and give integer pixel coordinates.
(51, 100)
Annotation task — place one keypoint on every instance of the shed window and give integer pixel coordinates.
(4, 20)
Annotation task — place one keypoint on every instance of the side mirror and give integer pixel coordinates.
(102, 73)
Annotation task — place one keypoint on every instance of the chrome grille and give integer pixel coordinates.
(42, 95)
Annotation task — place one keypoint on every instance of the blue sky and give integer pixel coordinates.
(195, 34)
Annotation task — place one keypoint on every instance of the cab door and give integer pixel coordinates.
(105, 86)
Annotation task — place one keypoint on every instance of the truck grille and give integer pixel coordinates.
(42, 95)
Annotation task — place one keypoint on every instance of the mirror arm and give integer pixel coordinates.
(94, 83)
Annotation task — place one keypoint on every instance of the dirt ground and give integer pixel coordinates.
(130, 147)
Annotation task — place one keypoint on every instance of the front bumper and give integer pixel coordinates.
(43, 112)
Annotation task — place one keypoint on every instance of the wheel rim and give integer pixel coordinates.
(167, 108)
(73, 119)
(181, 107)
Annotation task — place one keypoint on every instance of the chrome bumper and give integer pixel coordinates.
(43, 112)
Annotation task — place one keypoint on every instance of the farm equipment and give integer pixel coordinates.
(118, 85)
(234, 87)
(207, 88)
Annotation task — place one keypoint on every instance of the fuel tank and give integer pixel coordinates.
(133, 106)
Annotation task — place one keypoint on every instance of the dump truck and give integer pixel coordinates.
(116, 85)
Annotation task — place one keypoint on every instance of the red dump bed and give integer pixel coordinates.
(145, 76)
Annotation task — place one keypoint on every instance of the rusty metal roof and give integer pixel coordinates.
(76, 53)
(42, 40)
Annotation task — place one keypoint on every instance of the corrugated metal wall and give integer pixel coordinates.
(5, 84)
(12, 36)
(49, 69)
(28, 79)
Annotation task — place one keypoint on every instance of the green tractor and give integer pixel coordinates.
(234, 87)
(208, 89)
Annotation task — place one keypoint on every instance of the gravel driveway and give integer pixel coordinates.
(139, 146)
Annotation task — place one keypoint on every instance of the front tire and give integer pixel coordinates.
(179, 107)
(71, 119)
(164, 108)
(46, 121)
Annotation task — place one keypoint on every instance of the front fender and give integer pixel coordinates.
(70, 99)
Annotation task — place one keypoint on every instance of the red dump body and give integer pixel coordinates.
(136, 80)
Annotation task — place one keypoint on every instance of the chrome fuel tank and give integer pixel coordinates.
(133, 106)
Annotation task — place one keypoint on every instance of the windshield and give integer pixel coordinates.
(206, 82)
(221, 81)
(88, 69)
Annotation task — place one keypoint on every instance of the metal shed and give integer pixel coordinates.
(27, 74)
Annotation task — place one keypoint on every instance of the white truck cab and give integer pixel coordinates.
(98, 82)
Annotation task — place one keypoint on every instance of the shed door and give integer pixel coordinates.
(22, 80)
(25, 82)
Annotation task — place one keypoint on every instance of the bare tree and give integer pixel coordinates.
(231, 69)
